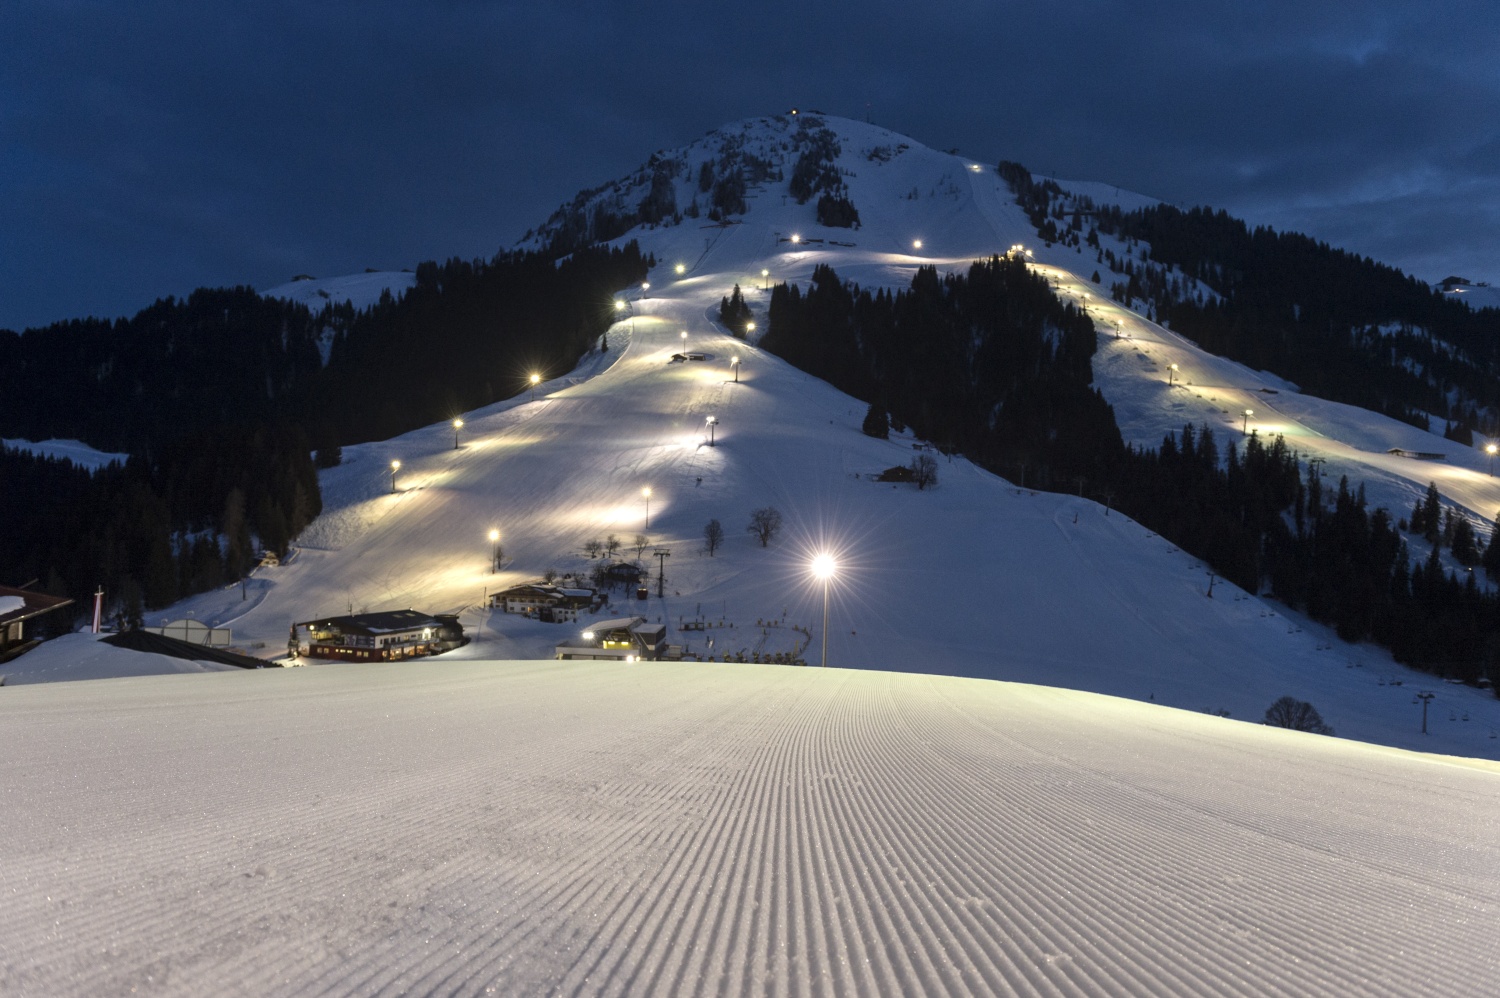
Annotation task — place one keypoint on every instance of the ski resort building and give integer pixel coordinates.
(622, 640)
(16, 607)
(553, 604)
(376, 637)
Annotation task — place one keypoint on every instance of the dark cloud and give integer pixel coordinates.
(148, 148)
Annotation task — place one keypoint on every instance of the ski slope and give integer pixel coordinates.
(974, 578)
(951, 807)
(660, 828)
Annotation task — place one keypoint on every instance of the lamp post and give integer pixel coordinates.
(823, 567)
(1246, 428)
(647, 493)
(1425, 697)
(457, 425)
(734, 362)
(1171, 375)
(536, 379)
(684, 341)
(494, 550)
(712, 422)
(749, 328)
(619, 305)
(395, 467)
(1490, 449)
(645, 286)
(796, 239)
(765, 279)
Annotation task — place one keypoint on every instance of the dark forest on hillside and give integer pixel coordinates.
(991, 364)
(221, 399)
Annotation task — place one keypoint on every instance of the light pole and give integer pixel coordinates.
(645, 286)
(395, 467)
(1425, 697)
(749, 328)
(1171, 375)
(536, 379)
(684, 341)
(1490, 449)
(457, 425)
(734, 362)
(712, 422)
(494, 550)
(1246, 428)
(647, 493)
(823, 567)
(765, 279)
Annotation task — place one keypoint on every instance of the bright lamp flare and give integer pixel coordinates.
(823, 566)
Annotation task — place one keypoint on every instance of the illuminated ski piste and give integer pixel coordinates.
(486, 822)
(664, 828)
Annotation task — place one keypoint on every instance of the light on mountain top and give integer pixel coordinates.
(395, 467)
(681, 268)
(796, 238)
(1491, 450)
(975, 167)
(1248, 414)
(457, 425)
(916, 244)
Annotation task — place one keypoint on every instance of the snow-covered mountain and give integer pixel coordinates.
(976, 578)
(478, 823)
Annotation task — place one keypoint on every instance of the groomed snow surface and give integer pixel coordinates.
(477, 823)
(593, 828)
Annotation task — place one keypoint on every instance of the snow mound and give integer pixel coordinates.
(80, 453)
(359, 290)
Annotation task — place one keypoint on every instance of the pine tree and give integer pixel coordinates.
(1463, 545)
(1432, 514)
(1491, 558)
(877, 423)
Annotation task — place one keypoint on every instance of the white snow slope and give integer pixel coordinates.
(589, 828)
(971, 579)
(467, 825)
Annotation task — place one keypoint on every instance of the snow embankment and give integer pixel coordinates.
(528, 828)
(359, 290)
(80, 453)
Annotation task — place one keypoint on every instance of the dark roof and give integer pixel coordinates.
(162, 645)
(375, 623)
(35, 603)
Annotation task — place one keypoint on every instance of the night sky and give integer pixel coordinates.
(150, 148)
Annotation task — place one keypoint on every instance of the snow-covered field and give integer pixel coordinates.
(360, 290)
(581, 828)
(76, 451)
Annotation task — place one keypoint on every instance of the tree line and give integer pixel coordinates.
(991, 364)
(219, 400)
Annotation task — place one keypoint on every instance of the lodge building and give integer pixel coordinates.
(377, 637)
